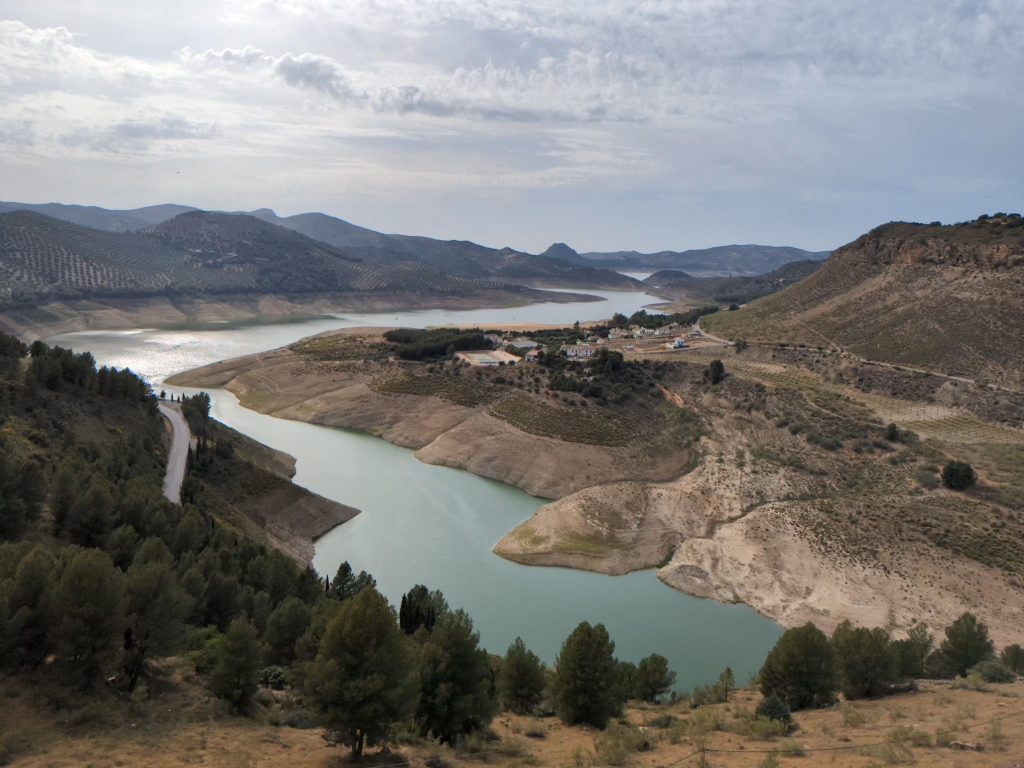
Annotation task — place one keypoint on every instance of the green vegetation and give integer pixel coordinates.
(800, 669)
(647, 320)
(434, 343)
(584, 689)
(966, 643)
(715, 372)
(568, 424)
(958, 476)
(362, 679)
(865, 659)
(653, 678)
(523, 679)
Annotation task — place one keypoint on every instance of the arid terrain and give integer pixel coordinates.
(185, 726)
(799, 500)
(942, 298)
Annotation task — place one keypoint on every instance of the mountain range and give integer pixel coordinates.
(722, 260)
(676, 284)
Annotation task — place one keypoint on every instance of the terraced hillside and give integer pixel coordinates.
(944, 298)
(730, 290)
(42, 259)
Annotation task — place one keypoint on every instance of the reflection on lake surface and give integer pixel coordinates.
(436, 526)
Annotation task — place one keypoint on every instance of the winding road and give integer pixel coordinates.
(177, 457)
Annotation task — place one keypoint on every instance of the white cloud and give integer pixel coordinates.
(380, 98)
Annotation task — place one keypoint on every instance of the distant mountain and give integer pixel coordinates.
(457, 257)
(720, 260)
(730, 290)
(43, 258)
(102, 218)
(945, 298)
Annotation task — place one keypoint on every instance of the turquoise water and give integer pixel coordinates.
(434, 525)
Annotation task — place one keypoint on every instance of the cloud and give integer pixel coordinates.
(138, 135)
(320, 73)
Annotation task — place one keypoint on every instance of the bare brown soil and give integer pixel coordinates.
(177, 724)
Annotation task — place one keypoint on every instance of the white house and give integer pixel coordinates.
(578, 351)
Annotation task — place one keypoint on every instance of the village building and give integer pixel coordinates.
(487, 358)
(532, 356)
(578, 351)
(522, 342)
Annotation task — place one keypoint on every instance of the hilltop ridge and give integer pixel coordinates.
(944, 298)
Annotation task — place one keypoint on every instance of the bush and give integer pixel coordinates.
(958, 475)
(992, 671)
(274, 678)
(617, 745)
(774, 708)
(1013, 657)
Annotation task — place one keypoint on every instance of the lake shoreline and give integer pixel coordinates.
(36, 321)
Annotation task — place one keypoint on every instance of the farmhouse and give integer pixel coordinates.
(487, 357)
(532, 356)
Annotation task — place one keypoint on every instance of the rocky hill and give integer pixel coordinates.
(730, 290)
(945, 298)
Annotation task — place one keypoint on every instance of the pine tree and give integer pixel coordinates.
(584, 688)
(157, 609)
(865, 659)
(347, 585)
(522, 679)
(967, 642)
(90, 604)
(654, 678)
(455, 680)
(421, 608)
(285, 626)
(800, 669)
(363, 679)
(237, 664)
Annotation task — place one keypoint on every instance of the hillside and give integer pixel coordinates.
(48, 268)
(676, 284)
(457, 257)
(720, 260)
(943, 298)
(130, 220)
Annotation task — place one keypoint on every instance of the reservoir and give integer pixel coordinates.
(435, 525)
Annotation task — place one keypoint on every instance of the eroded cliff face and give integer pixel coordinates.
(797, 530)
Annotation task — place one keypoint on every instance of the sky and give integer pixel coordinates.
(608, 125)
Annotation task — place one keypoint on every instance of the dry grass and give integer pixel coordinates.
(181, 726)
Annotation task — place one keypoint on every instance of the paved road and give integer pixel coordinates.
(178, 455)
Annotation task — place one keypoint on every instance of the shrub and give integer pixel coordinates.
(274, 678)
(1013, 657)
(774, 708)
(617, 745)
(992, 671)
(958, 475)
